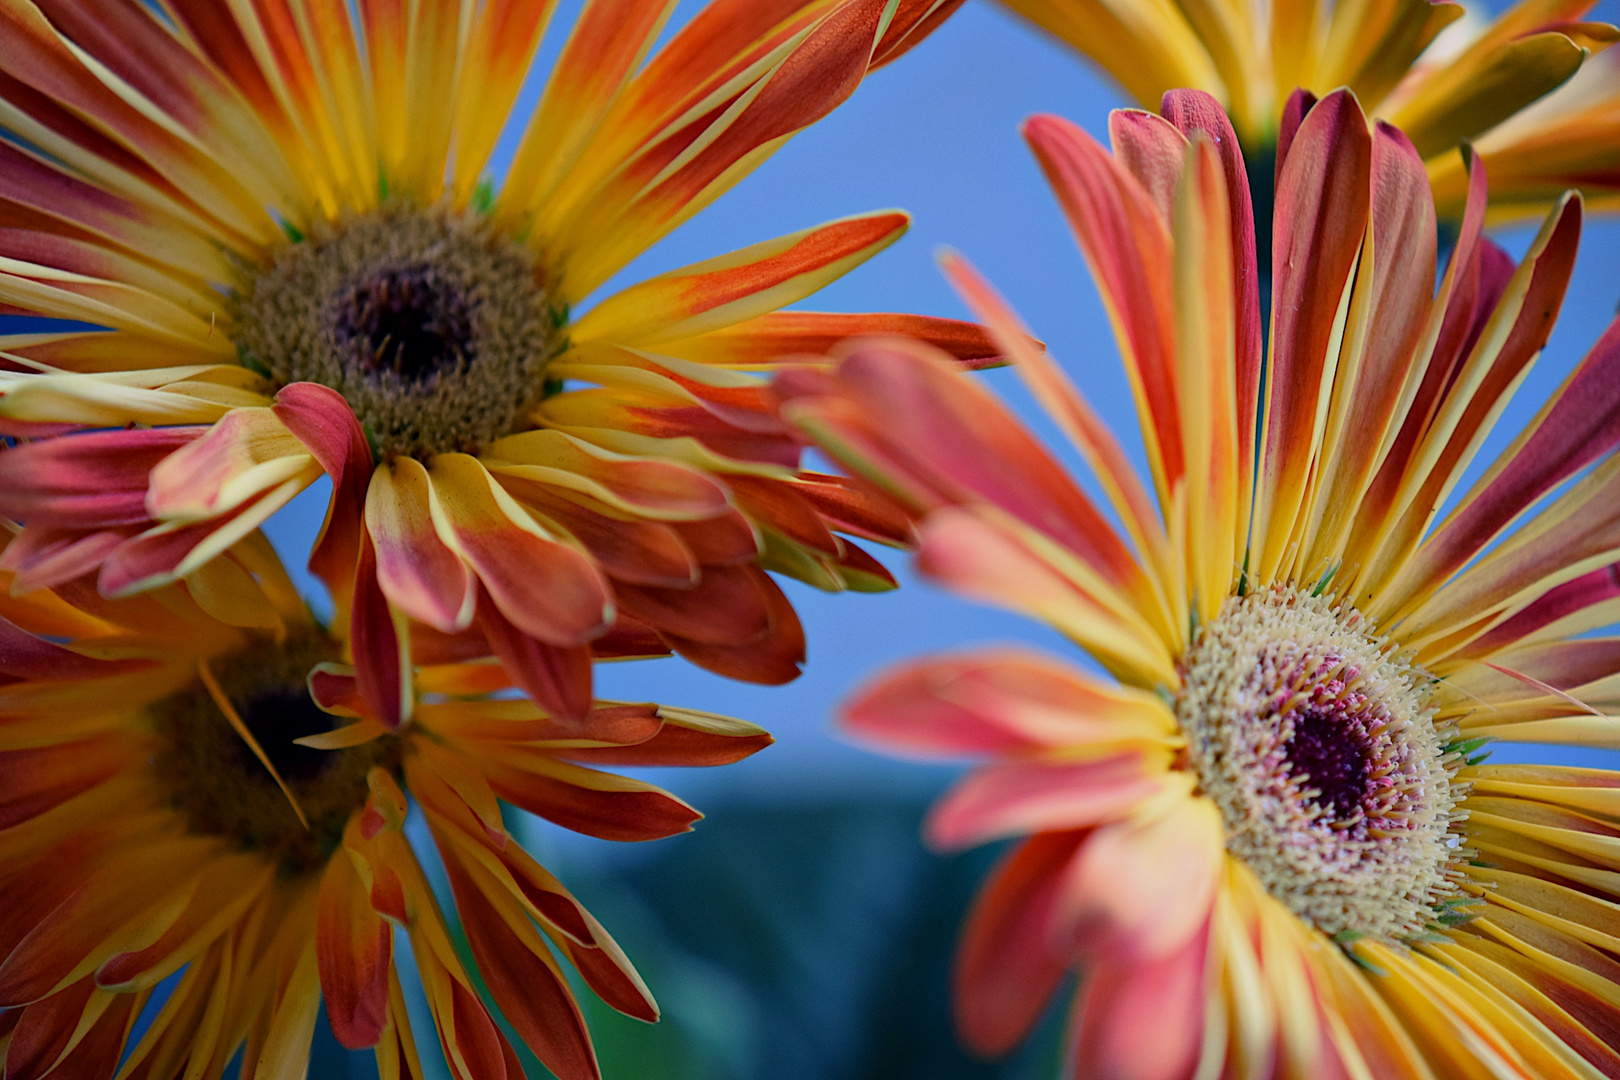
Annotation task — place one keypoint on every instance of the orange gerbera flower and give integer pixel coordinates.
(279, 213)
(1251, 56)
(1268, 843)
(173, 799)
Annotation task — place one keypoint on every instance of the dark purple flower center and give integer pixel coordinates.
(276, 716)
(414, 321)
(1333, 754)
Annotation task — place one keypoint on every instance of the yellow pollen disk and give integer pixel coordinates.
(432, 325)
(1318, 744)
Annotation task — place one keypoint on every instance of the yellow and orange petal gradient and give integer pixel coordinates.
(1223, 938)
(1251, 57)
(168, 165)
(157, 817)
(1571, 138)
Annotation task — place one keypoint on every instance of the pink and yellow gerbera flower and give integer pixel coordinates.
(181, 795)
(280, 217)
(1251, 56)
(1267, 842)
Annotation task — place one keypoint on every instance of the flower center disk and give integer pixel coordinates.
(220, 785)
(431, 325)
(1318, 746)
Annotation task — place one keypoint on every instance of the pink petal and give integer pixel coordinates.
(88, 481)
(1016, 798)
(1144, 1020)
(1141, 887)
(1006, 968)
(42, 557)
(1002, 701)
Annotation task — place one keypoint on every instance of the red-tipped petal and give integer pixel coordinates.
(381, 660)
(545, 588)
(323, 422)
(1006, 966)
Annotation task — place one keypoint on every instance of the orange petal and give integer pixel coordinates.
(557, 677)
(732, 288)
(354, 952)
(781, 336)
(522, 977)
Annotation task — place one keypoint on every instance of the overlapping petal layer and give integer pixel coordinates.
(131, 854)
(1378, 392)
(167, 163)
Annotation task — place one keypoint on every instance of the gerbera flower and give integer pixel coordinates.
(176, 800)
(279, 214)
(1268, 842)
(1252, 56)
(1571, 138)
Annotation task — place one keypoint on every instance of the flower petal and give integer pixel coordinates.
(380, 645)
(321, 419)
(557, 677)
(416, 570)
(545, 588)
(1004, 701)
(1016, 798)
(1323, 196)
(94, 480)
(354, 953)
(1141, 888)
(732, 288)
(1006, 967)
(1121, 1032)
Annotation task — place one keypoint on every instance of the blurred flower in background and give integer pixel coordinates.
(283, 220)
(1571, 138)
(1270, 841)
(180, 806)
(1423, 65)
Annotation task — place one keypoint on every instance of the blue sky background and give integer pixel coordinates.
(802, 931)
